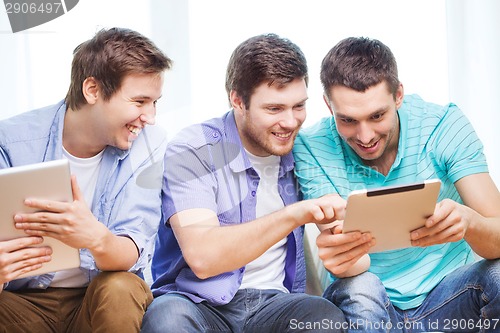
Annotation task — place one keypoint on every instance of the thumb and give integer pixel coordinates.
(77, 192)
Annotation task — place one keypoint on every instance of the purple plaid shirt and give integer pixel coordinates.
(207, 167)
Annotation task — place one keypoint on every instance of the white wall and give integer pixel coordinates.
(35, 64)
(316, 26)
(200, 35)
(474, 62)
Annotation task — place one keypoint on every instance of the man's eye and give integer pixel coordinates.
(301, 106)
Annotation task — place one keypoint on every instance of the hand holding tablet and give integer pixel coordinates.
(391, 213)
(47, 180)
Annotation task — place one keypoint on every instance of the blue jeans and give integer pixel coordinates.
(251, 310)
(467, 300)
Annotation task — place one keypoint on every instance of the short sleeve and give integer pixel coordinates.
(456, 145)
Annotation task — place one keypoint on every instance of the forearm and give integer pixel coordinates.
(483, 235)
(481, 195)
(203, 246)
(114, 253)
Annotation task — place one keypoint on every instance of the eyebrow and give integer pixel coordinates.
(282, 104)
(383, 109)
(144, 97)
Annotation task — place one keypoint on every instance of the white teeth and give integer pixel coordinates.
(282, 135)
(367, 146)
(133, 129)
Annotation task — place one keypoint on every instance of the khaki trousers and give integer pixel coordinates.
(113, 302)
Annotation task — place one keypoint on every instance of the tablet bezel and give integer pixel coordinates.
(391, 213)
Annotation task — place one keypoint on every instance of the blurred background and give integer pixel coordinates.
(447, 51)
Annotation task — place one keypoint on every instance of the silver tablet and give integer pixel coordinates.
(391, 213)
(47, 180)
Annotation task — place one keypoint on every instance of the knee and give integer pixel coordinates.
(120, 286)
(317, 309)
(168, 313)
(363, 284)
(489, 271)
(118, 281)
(365, 288)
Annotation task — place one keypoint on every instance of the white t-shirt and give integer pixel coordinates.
(86, 171)
(268, 270)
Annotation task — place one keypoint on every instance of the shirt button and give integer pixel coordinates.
(223, 298)
(253, 193)
(215, 134)
(40, 285)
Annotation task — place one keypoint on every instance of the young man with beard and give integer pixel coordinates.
(100, 127)
(229, 257)
(376, 137)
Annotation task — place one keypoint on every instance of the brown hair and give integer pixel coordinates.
(359, 63)
(264, 58)
(110, 56)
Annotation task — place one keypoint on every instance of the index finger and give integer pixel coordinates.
(46, 205)
(327, 239)
(20, 243)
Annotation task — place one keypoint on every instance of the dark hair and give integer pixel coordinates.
(359, 63)
(264, 58)
(110, 56)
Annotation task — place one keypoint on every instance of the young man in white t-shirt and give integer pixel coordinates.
(116, 79)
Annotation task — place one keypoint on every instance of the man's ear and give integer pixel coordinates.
(90, 90)
(236, 102)
(400, 94)
(327, 102)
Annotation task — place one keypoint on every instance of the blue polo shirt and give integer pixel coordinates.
(206, 166)
(434, 142)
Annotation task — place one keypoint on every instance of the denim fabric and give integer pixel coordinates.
(467, 300)
(250, 311)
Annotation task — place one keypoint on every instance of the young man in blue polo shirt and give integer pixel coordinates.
(229, 257)
(378, 137)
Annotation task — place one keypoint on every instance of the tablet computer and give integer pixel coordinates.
(391, 213)
(47, 180)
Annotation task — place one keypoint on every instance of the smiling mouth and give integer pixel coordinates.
(282, 135)
(134, 129)
(367, 146)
